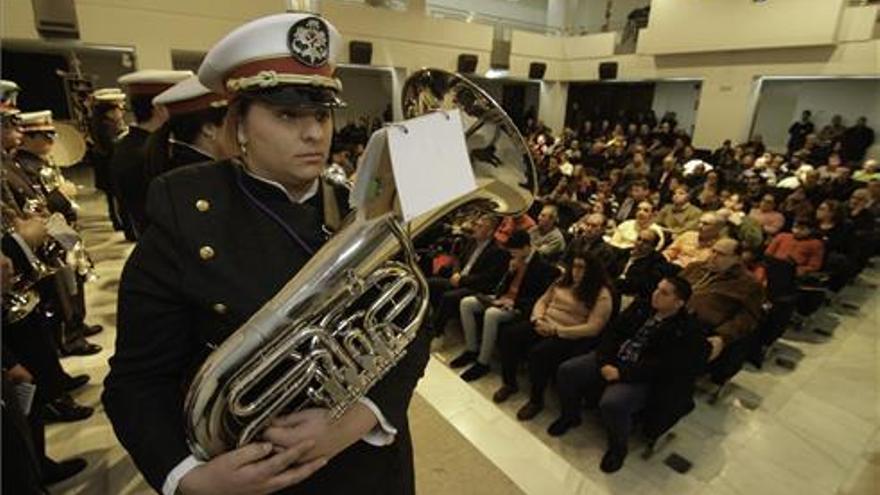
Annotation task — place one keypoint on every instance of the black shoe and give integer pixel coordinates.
(504, 393)
(80, 347)
(66, 410)
(529, 411)
(475, 372)
(562, 425)
(56, 472)
(463, 359)
(612, 460)
(75, 382)
(89, 330)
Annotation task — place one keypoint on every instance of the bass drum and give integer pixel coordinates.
(70, 145)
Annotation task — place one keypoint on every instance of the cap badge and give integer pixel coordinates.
(309, 42)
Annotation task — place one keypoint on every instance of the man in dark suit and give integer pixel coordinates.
(798, 132)
(589, 239)
(649, 345)
(483, 268)
(645, 267)
(129, 154)
(526, 280)
(224, 237)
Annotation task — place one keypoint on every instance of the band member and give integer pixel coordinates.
(193, 131)
(129, 158)
(27, 144)
(223, 238)
(106, 126)
(34, 157)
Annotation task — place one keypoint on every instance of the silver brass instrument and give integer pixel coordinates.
(338, 326)
(20, 301)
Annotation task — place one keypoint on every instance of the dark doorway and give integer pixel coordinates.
(41, 87)
(621, 102)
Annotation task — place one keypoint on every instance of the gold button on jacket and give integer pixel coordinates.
(206, 252)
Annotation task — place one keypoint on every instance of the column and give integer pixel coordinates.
(727, 106)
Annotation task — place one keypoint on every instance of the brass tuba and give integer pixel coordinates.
(346, 318)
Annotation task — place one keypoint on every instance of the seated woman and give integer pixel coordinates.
(771, 220)
(565, 322)
(648, 347)
(626, 233)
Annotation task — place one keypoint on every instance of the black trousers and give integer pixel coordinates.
(31, 342)
(444, 301)
(579, 378)
(518, 341)
(21, 464)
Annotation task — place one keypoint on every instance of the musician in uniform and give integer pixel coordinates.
(26, 172)
(127, 164)
(106, 126)
(193, 131)
(224, 237)
(38, 138)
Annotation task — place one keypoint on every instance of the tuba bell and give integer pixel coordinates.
(345, 320)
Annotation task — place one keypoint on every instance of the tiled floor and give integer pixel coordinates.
(814, 431)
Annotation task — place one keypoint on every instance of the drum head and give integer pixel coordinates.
(70, 146)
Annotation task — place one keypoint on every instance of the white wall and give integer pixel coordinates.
(689, 26)
(680, 97)
(532, 12)
(589, 15)
(782, 101)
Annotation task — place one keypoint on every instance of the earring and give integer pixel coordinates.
(242, 147)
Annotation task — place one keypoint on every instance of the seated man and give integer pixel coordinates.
(546, 238)
(638, 192)
(625, 234)
(527, 277)
(650, 344)
(483, 268)
(645, 267)
(680, 216)
(726, 298)
(695, 245)
(588, 239)
(799, 247)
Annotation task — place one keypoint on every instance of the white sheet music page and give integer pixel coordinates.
(430, 162)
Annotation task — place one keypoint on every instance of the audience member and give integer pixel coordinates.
(527, 277)
(680, 215)
(625, 235)
(483, 268)
(650, 346)
(856, 140)
(566, 321)
(638, 192)
(511, 224)
(799, 131)
(588, 238)
(765, 214)
(694, 246)
(798, 247)
(727, 300)
(645, 267)
(546, 238)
